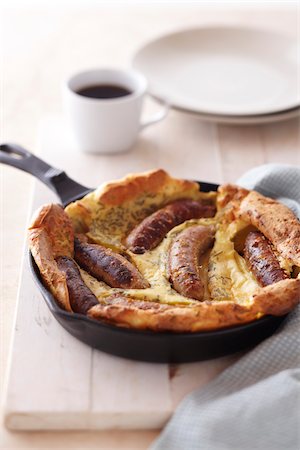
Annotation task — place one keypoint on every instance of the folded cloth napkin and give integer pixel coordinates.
(255, 403)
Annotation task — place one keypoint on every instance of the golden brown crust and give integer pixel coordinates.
(276, 221)
(158, 317)
(230, 193)
(134, 185)
(279, 298)
(42, 253)
(58, 227)
(50, 235)
(204, 317)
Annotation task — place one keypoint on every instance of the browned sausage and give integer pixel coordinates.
(151, 231)
(262, 260)
(80, 296)
(108, 266)
(184, 255)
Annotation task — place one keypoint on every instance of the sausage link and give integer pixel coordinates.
(262, 260)
(151, 231)
(80, 296)
(108, 266)
(184, 255)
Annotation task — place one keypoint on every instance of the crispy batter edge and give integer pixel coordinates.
(276, 221)
(53, 219)
(230, 193)
(133, 185)
(277, 299)
(48, 222)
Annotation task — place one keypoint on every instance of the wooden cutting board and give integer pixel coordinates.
(54, 380)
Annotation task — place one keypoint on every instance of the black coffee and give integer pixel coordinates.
(104, 91)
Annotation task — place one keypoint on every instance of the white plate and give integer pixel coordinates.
(223, 70)
(249, 120)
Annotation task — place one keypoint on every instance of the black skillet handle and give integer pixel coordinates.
(57, 180)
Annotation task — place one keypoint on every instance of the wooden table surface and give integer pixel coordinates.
(40, 46)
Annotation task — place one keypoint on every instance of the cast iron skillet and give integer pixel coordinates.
(133, 344)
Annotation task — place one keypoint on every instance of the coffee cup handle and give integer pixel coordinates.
(158, 116)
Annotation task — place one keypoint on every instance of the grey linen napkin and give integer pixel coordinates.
(255, 403)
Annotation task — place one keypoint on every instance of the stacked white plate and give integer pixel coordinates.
(225, 74)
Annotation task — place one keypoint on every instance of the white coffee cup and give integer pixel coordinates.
(107, 125)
